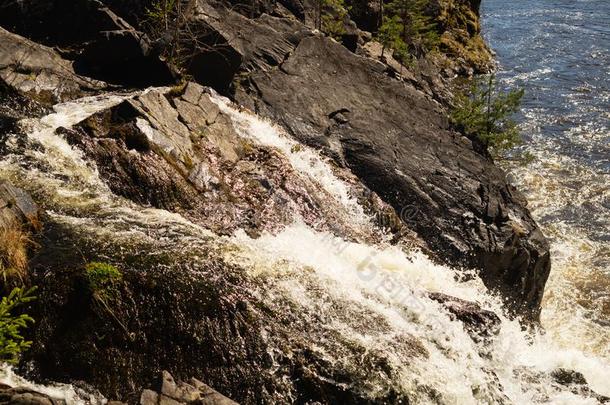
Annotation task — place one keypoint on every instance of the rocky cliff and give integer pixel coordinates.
(382, 130)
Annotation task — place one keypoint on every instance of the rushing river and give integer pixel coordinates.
(360, 302)
(559, 51)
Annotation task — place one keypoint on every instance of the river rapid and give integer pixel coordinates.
(360, 303)
(559, 52)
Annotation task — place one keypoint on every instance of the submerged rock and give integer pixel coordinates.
(577, 383)
(479, 322)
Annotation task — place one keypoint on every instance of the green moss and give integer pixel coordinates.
(102, 279)
(461, 35)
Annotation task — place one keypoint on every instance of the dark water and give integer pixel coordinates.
(559, 51)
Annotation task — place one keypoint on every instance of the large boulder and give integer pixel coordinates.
(39, 72)
(102, 44)
(178, 151)
(400, 144)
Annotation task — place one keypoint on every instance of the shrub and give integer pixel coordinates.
(12, 343)
(408, 30)
(332, 19)
(175, 35)
(13, 254)
(486, 113)
(102, 279)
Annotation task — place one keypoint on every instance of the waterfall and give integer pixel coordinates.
(363, 307)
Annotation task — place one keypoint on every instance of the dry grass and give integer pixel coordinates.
(14, 242)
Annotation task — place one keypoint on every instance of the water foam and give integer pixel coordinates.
(303, 159)
(392, 285)
(369, 296)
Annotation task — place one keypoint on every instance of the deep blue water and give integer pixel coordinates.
(559, 52)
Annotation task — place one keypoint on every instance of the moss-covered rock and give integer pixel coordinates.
(461, 41)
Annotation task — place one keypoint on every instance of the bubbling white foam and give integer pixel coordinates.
(392, 285)
(341, 293)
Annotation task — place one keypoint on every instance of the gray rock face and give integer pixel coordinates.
(39, 72)
(400, 144)
(181, 393)
(17, 207)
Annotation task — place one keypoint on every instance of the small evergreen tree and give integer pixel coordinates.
(330, 17)
(407, 29)
(487, 113)
(390, 35)
(12, 343)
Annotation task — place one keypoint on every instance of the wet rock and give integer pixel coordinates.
(17, 207)
(568, 377)
(102, 44)
(577, 383)
(39, 72)
(180, 153)
(149, 397)
(14, 107)
(560, 379)
(180, 393)
(25, 396)
(209, 396)
(479, 322)
(399, 143)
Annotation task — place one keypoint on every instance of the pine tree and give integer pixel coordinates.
(390, 34)
(487, 113)
(406, 27)
(12, 343)
(330, 16)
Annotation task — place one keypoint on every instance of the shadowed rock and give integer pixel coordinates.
(102, 44)
(400, 144)
(39, 72)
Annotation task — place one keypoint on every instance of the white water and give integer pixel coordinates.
(68, 393)
(303, 159)
(391, 284)
(342, 295)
